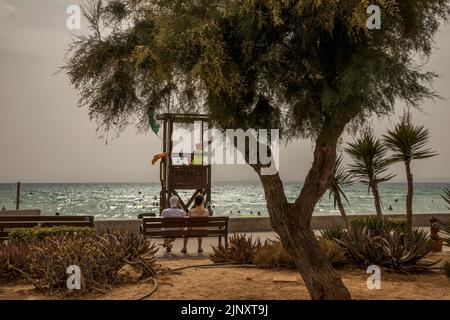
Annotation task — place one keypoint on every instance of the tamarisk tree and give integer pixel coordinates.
(309, 68)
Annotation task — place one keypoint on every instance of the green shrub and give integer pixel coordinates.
(273, 255)
(447, 268)
(378, 227)
(333, 252)
(13, 261)
(333, 233)
(24, 235)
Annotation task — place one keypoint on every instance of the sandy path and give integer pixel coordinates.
(252, 283)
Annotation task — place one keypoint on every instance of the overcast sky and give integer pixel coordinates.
(45, 137)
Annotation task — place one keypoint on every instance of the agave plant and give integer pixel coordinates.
(445, 229)
(408, 142)
(100, 258)
(370, 164)
(341, 179)
(391, 250)
(446, 197)
(272, 254)
(447, 268)
(241, 250)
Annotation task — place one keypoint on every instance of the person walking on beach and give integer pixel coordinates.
(173, 212)
(198, 210)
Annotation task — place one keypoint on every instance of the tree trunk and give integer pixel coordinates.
(377, 200)
(292, 222)
(341, 208)
(409, 197)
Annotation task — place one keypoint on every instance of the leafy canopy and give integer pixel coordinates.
(301, 66)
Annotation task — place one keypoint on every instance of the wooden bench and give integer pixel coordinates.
(186, 227)
(25, 212)
(7, 223)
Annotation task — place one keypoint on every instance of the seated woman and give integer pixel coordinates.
(198, 210)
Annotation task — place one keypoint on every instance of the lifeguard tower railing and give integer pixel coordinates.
(192, 175)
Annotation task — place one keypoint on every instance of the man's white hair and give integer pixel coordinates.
(174, 201)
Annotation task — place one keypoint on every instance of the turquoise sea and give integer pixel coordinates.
(123, 201)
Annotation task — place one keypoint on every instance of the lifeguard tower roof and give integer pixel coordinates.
(183, 117)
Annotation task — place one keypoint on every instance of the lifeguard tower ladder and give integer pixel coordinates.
(192, 175)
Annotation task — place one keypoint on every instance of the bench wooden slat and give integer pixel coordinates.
(45, 218)
(186, 227)
(185, 233)
(4, 235)
(182, 219)
(31, 224)
(183, 225)
(15, 222)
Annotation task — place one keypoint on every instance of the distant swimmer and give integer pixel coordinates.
(3, 208)
(390, 208)
(259, 213)
(396, 200)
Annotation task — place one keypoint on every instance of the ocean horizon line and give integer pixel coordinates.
(424, 181)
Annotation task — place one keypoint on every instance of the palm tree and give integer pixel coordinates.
(407, 142)
(370, 164)
(341, 179)
(446, 197)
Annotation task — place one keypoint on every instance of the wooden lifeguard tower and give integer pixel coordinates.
(189, 174)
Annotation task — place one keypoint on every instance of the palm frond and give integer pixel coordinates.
(408, 141)
(446, 197)
(341, 179)
(370, 161)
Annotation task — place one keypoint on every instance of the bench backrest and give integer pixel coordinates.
(185, 227)
(13, 222)
(25, 212)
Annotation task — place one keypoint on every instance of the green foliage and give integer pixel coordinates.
(390, 250)
(241, 250)
(99, 257)
(407, 141)
(369, 155)
(378, 227)
(333, 233)
(447, 268)
(302, 66)
(446, 197)
(24, 235)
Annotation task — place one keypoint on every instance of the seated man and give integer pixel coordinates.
(173, 212)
